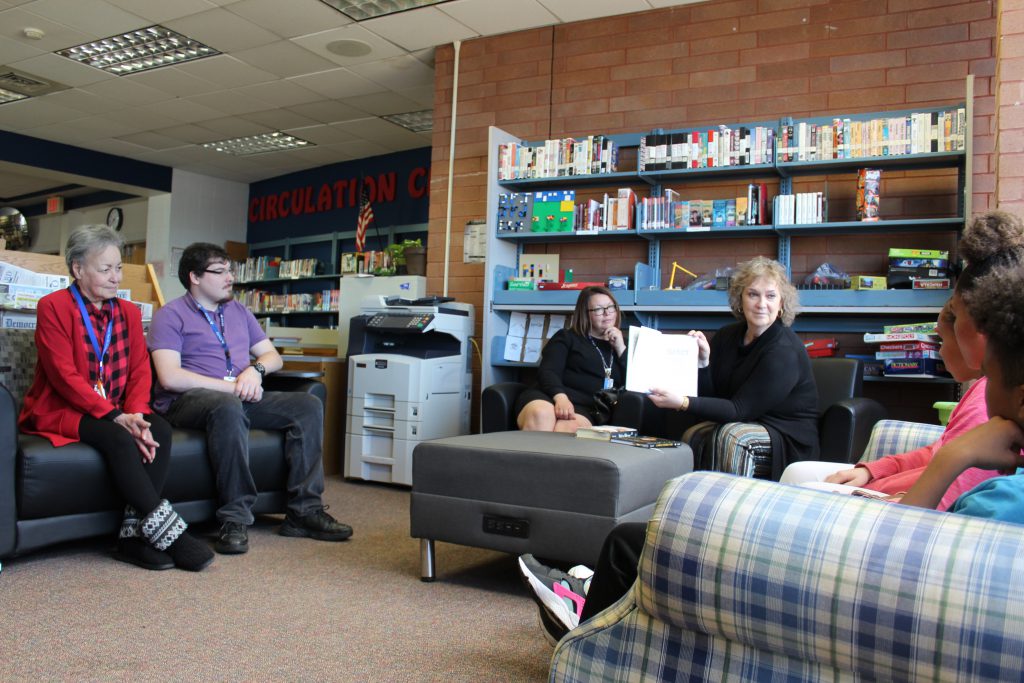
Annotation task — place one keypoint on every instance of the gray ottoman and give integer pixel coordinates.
(552, 495)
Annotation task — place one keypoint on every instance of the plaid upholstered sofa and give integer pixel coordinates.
(49, 495)
(750, 580)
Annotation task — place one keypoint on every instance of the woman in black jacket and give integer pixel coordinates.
(755, 372)
(576, 363)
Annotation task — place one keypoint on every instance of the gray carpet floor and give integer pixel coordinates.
(289, 610)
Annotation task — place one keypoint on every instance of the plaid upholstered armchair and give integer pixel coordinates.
(749, 580)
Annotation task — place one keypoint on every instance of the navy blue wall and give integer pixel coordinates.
(326, 199)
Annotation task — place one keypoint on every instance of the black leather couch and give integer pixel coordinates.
(844, 424)
(49, 495)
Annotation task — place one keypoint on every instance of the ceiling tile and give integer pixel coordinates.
(97, 18)
(146, 118)
(318, 42)
(420, 28)
(160, 11)
(489, 17)
(396, 73)
(151, 140)
(222, 30)
(284, 58)
(313, 16)
(377, 130)
(195, 135)
(359, 149)
(81, 100)
(230, 102)
(35, 112)
(328, 111)
(104, 126)
(57, 35)
(577, 10)
(234, 127)
(382, 103)
(279, 119)
(226, 71)
(337, 83)
(321, 135)
(13, 51)
(281, 93)
(422, 95)
(186, 111)
(173, 81)
(62, 70)
(123, 89)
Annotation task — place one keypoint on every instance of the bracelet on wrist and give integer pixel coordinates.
(684, 404)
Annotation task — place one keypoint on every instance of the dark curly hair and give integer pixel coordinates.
(992, 240)
(998, 312)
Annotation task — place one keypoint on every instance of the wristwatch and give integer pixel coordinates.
(260, 369)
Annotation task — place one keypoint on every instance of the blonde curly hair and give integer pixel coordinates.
(760, 266)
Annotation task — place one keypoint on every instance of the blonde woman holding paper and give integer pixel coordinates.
(756, 403)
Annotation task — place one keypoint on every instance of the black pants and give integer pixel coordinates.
(139, 483)
(616, 568)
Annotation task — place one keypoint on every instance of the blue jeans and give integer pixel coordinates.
(226, 420)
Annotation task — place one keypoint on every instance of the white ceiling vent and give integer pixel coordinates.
(26, 84)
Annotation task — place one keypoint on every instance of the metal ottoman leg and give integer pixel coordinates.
(426, 559)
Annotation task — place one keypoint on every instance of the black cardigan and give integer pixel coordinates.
(768, 382)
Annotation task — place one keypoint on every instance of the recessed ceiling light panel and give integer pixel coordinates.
(416, 121)
(146, 48)
(259, 144)
(10, 96)
(368, 9)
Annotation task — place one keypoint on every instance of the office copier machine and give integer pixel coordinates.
(409, 380)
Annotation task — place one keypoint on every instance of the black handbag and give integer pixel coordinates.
(604, 405)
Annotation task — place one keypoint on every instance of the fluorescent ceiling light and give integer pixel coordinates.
(416, 121)
(146, 48)
(368, 9)
(10, 96)
(258, 144)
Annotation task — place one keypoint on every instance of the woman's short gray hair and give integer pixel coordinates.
(759, 266)
(86, 239)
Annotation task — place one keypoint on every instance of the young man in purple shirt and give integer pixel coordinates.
(201, 345)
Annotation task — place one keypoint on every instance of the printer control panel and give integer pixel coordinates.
(404, 322)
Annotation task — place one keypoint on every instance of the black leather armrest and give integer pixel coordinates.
(8, 458)
(846, 426)
(497, 407)
(310, 386)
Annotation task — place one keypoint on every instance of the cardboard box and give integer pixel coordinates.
(617, 282)
(868, 282)
(521, 284)
(567, 285)
(930, 283)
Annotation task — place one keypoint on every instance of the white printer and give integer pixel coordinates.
(409, 380)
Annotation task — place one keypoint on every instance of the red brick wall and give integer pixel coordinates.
(1010, 107)
(716, 62)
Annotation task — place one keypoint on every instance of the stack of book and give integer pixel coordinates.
(604, 432)
(918, 269)
(561, 157)
(668, 212)
(908, 350)
(721, 146)
(800, 208)
(845, 138)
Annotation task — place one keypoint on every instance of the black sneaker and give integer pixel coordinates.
(233, 539)
(559, 595)
(317, 524)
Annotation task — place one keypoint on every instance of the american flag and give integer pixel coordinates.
(364, 220)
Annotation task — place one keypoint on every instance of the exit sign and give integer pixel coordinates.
(54, 205)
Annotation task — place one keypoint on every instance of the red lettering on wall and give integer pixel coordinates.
(386, 187)
(254, 210)
(418, 182)
(297, 197)
(272, 207)
(308, 206)
(352, 189)
(339, 189)
(323, 199)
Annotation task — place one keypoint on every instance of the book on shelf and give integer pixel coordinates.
(909, 346)
(714, 147)
(872, 337)
(927, 328)
(915, 367)
(848, 138)
(646, 441)
(594, 154)
(604, 432)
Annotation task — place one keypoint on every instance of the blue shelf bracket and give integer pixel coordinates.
(784, 254)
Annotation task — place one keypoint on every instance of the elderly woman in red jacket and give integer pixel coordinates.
(92, 384)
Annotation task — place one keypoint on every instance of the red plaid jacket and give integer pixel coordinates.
(62, 391)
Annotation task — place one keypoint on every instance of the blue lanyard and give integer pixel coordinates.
(87, 321)
(219, 333)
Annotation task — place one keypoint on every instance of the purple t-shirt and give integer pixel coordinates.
(180, 326)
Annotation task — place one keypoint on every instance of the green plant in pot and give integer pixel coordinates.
(408, 256)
